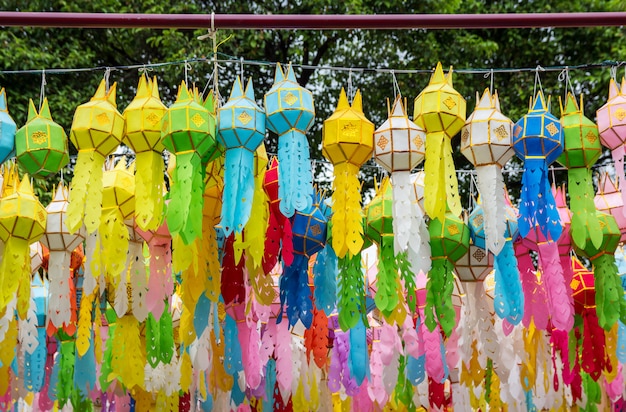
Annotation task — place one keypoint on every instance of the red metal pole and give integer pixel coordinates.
(311, 22)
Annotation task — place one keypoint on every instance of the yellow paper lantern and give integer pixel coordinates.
(440, 110)
(143, 134)
(22, 222)
(97, 131)
(348, 142)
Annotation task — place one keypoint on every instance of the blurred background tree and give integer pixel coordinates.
(365, 51)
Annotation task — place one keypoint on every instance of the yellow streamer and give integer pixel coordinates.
(84, 324)
(7, 353)
(97, 344)
(128, 359)
(149, 190)
(85, 192)
(13, 268)
(186, 372)
(610, 339)
(347, 218)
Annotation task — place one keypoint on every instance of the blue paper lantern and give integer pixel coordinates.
(290, 113)
(7, 130)
(538, 141)
(241, 130)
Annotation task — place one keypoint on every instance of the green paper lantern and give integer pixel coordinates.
(41, 144)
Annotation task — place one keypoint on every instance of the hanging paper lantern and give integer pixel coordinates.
(347, 141)
(143, 118)
(290, 114)
(610, 302)
(36, 256)
(440, 110)
(188, 131)
(449, 241)
(612, 129)
(22, 222)
(97, 131)
(7, 129)
(581, 150)
(486, 143)
(61, 244)
(477, 262)
(309, 237)
(241, 129)
(609, 200)
(538, 141)
(41, 144)
(399, 148)
(391, 267)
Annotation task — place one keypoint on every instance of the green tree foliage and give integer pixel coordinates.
(29, 48)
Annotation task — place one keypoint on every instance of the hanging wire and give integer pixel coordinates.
(396, 87)
(187, 67)
(537, 80)
(489, 75)
(565, 78)
(350, 94)
(107, 74)
(42, 93)
(241, 71)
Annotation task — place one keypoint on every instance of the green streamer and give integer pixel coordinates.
(408, 277)
(351, 302)
(106, 369)
(585, 223)
(153, 340)
(439, 296)
(608, 291)
(387, 292)
(66, 372)
(166, 335)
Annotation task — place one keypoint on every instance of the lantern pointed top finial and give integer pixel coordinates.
(249, 90)
(539, 103)
(3, 100)
(183, 92)
(279, 76)
(291, 76)
(485, 101)
(449, 77)
(398, 108)
(44, 110)
(357, 103)
(571, 106)
(613, 89)
(143, 88)
(25, 187)
(438, 76)
(237, 90)
(342, 104)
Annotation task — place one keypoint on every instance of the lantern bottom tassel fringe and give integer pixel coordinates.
(441, 185)
(508, 295)
(86, 192)
(537, 202)
(184, 212)
(402, 187)
(490, 184)
(149, 190)
(14, 270)
(347, 228)
(610, 303)
(439, 296)
(585, 223)
(238, 190)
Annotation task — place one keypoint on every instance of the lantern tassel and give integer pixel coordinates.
(618, 159)
(347, 218)
(137, 275)
(435, 364)
(351, 290)
(238, 190)
(184, 212)
(491, 187)
(296, 180)
(296, 293)
(14, 268)
(508, 294)
(129, 361)
(434, 187)
(36, 372)
(560, 305)
(609, 293)
(585, 223)
(59, 311)
(158, 281)
(121, 304)
(535, 300)
(83, 340)
(358, 352)
(114, 241)
(593, 358)
(149, 183)
(387, 292)
(28, 336)
(284, 364)
(85, 198)
(419, 243)
(537, 206)
(325, 279)
(256, 228)
(402, 187)
(487, 339)
(439, 296)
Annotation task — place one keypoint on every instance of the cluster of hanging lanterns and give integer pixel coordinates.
(241, 286)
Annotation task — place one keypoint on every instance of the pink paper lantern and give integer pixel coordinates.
(609, 200)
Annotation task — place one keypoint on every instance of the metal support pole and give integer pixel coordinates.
(311, 22)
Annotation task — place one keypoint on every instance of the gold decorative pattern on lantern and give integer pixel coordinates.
(39, 137)
(382, 142)
(518, 129)
(591, 137)
(575, 283)
(501, 132)
(453, 230)
(479, 255)
(552, 129)
(290, 99)
(153, 119)
(197, 120)
(602, 224)
(349, 130)
(165, 125)
(465, 135)
(102, 119)
(316, 230)
(418, 142)
(449, 102)
(478, 220)
(620, 114)
(244, 117)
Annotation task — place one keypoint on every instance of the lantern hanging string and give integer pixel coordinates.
(42, 93)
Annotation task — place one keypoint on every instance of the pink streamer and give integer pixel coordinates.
(618, 158)
(361, 401)
(410, 338)
(249, 341)
(560, 305)
(268, 340)
(431, 343)
(615, 388)
(376, 387)
(535, 300)
(284, 365)
(160, 285)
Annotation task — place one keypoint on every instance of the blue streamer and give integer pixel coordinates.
(537, 206)
(35, 364)
(530, 406)
(325, 279)
(270, 383)
(295, 185)
(358, 360)
(236, 394)
(295, 293)
(85, 370)
(446, 371)
(238, 189)
(201, 314)
(416, 369)
(508, 295)
(207, 404)
(232, 348)
(54, 377)
(621, 342)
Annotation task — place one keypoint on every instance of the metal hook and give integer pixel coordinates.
(42, 92)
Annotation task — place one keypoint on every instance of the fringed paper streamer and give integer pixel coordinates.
(491, 187)
(610, 304)
(376, 387)
(83, 338)
(290, 114)
(508, 294)
(35, 364)
(358, 352)
(160, 284)
(441, 118)
(347, 232)
(284, 365)
(419, 246)
(97, 130)
(560, 305)
(66, 372)
(7, 354)
(439, 296)
(257, 227)
(184, 211)
(85, 373)
(585, 224)
(611, 367)
(128, 360)
(149, 189)
(351, 290)
(535, 299)
(435, 357)
(137, 276)
(295, 293)
(232, 275)
(15, 267)
(486, 337)
(28, 336)
(621, 343)
(59, 291)
(325, 279)
(388, 282)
